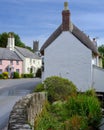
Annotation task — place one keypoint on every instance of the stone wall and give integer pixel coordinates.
(25, 110)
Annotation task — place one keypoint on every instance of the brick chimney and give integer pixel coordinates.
(66, 18)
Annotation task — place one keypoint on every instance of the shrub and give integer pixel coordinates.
(76, 122)
(85, 106)
(16, 75)
(46, 121)
(90, 92)
(31, 75)
(1, 76)
(39, 88)
(58, 110)
(27, 75)
(5, 75)
(59, 88)
(39, 73)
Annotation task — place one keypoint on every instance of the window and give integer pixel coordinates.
(28, 69)
(17, 70)
(0, 62)
(34, 61)
(11, 62)
(0, 71)
(30, 61)
(17, 62)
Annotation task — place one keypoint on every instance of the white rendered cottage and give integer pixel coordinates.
(31, 61)
(68, 53)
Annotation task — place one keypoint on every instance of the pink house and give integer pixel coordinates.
(9, 61)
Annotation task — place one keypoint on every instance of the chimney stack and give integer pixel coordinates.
(11, 41)
(95, 42)
(66, 18)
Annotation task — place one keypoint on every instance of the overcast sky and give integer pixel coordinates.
(37, 19)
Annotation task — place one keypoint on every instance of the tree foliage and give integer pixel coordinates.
(59, 88)
(3, 39)
(101, 51)
(18, 42)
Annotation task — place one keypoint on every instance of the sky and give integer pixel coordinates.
(37, 19)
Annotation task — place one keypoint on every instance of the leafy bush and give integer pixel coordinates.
(39, 88)
(46, 121)
(16, 75)
(1, 76)
(90, 92)
(76, 122)
(5, 75)
(39, 73)
(68, 110)
(59, 88)
(59, 111)
(85, 106)
(27, 75)
(31, 75)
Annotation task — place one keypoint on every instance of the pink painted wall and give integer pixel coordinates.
(6, 63)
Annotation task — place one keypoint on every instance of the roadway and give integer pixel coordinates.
(11, 90)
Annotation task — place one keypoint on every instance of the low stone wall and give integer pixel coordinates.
(25, 110)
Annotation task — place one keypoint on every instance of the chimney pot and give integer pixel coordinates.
(66, 6)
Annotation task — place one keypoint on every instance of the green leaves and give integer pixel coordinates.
(4, 39)
(59, 88)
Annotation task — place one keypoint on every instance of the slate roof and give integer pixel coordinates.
(6, 54)
(77, 33)
(27, 53)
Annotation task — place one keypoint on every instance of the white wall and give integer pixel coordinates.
(28, 62)
(69, 58)
(98, 79)
(23, 58)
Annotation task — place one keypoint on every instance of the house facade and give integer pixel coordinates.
(18, 59)
(68, 53)
(10, 62)
(31, 61)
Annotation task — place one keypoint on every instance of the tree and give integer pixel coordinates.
(3, 39)
(101, 51)
(18, 42)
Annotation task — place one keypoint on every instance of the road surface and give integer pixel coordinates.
(12, 90)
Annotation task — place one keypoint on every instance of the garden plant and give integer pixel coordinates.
(66, 108)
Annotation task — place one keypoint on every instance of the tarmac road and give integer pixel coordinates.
(12, 90)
